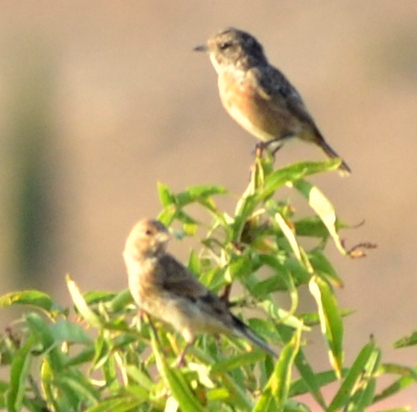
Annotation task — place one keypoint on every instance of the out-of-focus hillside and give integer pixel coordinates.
(99, 101)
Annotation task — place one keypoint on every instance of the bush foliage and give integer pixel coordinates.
(99, 356)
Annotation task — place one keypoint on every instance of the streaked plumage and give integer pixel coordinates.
(164, 288)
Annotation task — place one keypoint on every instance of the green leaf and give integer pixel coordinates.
(302, 386)
(140, 377)
(322, 206)
(165, 195)
(98, 296)
(124, 403)
(120, 301)
(265, 329)
(281, 315)
(291, 238)
(42, 330)
(66, 331)
(239, 398)
(277, 389)
(292, 173)
(194, 262)
(313, 319)
(185, 218)
(311, 226)
(239, 268)
(406, 341)
(354, 375)
(27, 297)
(323, 267)
(167, 215)
(293, 406)
(174, 204)
(103, 350)
(404, 409)
(244, 210)
(181, 390)
(330, 320)
(218, 394)
(195, 193)
(82, 357)
(309, 380)
(238, 361)
(408, 376)
(176, 381)
(82, 305)
(77, 387)
(286, 276)
(395, 369)
(365, 392)
(19, 374)
(280, 281)
(48, 387)
(289, 234)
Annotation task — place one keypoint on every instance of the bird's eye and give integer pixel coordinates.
(148, 232)
(225, 45)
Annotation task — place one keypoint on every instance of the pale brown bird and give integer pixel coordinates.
(164, 288)
(258, 96)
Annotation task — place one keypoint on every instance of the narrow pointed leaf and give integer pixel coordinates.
(364, 395)
(18, 375)
(354, 375)
(238, 361)
(82, 305)
(406, 341)
(294, 172)
(330, 320)
(166, 197)
(176, 381)
(408, 376)
(278, 387)
(323, 207)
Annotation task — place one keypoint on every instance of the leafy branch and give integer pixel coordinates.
(100, 356)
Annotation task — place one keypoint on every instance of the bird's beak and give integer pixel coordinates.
(201, 48)
(164, 237)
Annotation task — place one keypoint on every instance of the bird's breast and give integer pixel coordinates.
(263, 116)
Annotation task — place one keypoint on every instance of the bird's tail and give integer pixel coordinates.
(332, 154)
(246, 332)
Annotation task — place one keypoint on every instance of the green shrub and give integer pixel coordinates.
(101, 357)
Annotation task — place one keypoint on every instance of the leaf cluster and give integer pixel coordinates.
(99, 356)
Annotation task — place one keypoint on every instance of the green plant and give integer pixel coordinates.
(102, 357)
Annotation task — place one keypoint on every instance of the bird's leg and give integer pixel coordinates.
(225, 294)
(149, 320)
(141, 315)
(181, 360)
(279, 141)
(275, 150)
(259, 148)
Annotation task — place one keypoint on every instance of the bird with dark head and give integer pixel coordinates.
(234, 48)
(258, 96)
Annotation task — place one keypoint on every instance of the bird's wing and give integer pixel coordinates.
(273, 85)
(179, 280)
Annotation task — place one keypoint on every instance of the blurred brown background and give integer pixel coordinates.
(100, 100)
